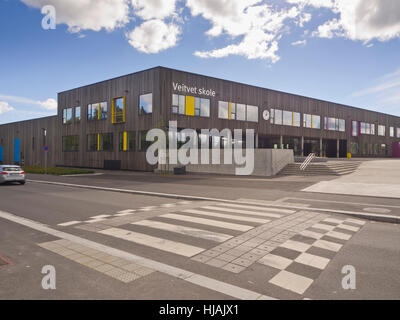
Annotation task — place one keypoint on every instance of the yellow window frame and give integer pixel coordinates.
(113, 113)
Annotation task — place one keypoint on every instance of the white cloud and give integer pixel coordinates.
(49, 104)
(5, 107)
(154, 36)
(300, 42)
(313, 3)
(258, 27)
(154, 9)
(363, 20)
(386, 90)
(87, 14)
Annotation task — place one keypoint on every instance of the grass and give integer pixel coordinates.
(56, 171)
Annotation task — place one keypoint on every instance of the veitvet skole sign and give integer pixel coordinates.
(193, 90)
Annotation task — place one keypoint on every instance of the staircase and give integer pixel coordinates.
(329, 168)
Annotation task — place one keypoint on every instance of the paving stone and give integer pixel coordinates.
(227, 257)
(233, 268)
(104, 267)
(94, 263)
(144, 271)
(127, 277)
(243, 262)
(201, 258)
(216, 263)
(211, 253)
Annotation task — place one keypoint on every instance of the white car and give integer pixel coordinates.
(11, 173)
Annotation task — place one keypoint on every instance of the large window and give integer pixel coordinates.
(287, 118)
(334, 124)
(70, 143)
(97, 111)
(201, 107)
(354, 129)
(127, 141)
(398, 133)
(240, 111)
(381, 130)
(67, 116)
(105, 142)
(92, 142)
(223, 110)
(252, 113)
(77, 114)
(367, 128)
(118, 110)
(391, 132)
(146, 103)
(178, 104)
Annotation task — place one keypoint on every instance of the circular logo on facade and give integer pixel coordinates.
(266, 115)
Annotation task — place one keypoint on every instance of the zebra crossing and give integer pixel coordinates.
(199, 223)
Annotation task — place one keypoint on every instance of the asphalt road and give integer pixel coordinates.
(169, 240)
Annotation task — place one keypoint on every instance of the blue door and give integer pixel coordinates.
(17, 146)
(1, 154)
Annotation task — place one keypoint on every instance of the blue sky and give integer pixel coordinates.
(329, 49)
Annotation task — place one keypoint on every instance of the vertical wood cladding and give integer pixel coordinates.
(159, 81)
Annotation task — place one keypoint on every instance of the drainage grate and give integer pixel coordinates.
(4, 261)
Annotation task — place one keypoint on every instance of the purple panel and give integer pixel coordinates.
(396, 150)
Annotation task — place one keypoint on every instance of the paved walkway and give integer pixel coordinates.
(378, 178)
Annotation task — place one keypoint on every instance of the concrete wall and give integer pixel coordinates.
(267, 162)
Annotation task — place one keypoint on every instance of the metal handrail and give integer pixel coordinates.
(306, 162)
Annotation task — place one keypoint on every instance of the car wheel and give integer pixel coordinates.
(22, 182)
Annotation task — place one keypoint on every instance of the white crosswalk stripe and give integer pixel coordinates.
(154, 242)
(227, 216)
(189, 231)
(209, 222)
(264, 214)
(234, 205)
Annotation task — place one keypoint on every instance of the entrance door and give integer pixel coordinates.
(17, 150)
(343, 148)
(396, 150)
(329, 148)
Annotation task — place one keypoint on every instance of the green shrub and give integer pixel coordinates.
(56, 170)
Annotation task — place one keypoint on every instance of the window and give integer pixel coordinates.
(105, 142)
(342, 125)
(103, 110)
(381, 130)
(67, 116)
(92, 142)
(97, 111)
(146, 103)
(372, 128)
(316, 122)
(118, 110)
(296, 119)
(398, 132)
(143, 144)
(311, 121)
(127, 141)
(93, 111)
(391, 131)
(233, 111)
(223, 110)
(70, 143)
(240, 112)
(287, 118)
(204, 107)
(252, 113)
(77, 114)
(196, 106)
(334, 124)
(354, 129)
(178, 104)
(276, 117)
(307, 121)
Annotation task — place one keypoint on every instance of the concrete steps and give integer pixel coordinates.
(330, 168)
